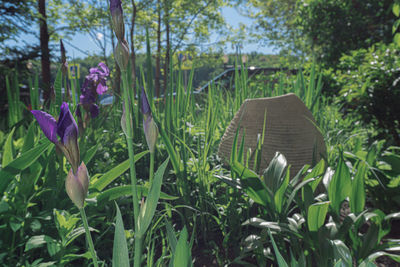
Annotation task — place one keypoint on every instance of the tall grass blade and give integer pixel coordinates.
(120, 247)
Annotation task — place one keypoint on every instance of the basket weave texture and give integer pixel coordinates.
(290, 129)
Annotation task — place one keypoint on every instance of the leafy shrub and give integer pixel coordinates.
(370, 80)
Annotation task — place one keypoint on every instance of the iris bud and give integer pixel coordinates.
(150, 132)
(121, 54)
(117, 19)
(77, 185)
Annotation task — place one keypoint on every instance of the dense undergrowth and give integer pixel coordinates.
(208, 212)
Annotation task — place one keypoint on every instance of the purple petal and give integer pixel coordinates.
(66, 125)
(103, 69)
(115, 5)
(94, 111)
(93, 70)
(101, 87)
(93, 77)
(87, 97)
(47, 123)
(85, 85)
(145, 103)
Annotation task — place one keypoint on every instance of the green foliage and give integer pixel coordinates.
(335, 27)
(235, 215)
(120, 249)
(369, 80)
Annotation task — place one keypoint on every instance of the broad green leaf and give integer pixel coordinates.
(8, 149)
(274, 226)
(316, 215)
(21, 163)
(274, 174)
(126, 190)
(316, 173)
(120, 247)
(90, 153)
(396, 9)
(29, 139)
(182, 250)
(28, 179)
(75, 233)
(279, 197)
(37, 241)
(280, 260)
(395, 26)
(148, 209)
(367, 263)
(114, 173)
(340, 186)
(394, 161)
(396, 39)
(342, 252)
(357, 197)
(171, 236)
(252, 184)
(369, 241)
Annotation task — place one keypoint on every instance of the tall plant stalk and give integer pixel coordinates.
(89, 237)
(129, 136)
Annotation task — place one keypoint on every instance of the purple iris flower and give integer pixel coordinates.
(94, 84)
(98, 76)
(63, 133)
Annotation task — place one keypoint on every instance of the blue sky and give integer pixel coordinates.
(233, 18)
(83, 42)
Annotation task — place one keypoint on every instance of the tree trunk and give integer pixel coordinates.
(133, 54)
(158, 71)
(45, 52)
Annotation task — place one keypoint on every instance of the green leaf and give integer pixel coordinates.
(316, 215)
(57, 87)
(120, 248)
(114, 173)
(171, 236)
(396, 39)
(281, 261)
(316, 172)
(340, 186)
(21, 163)
(8, 149)
(75, 233)
(342, 252)
(182, 250)
(126, 190)
(396, 9)
(148, 209)
(37, 241)
(279, 197)
(357, 197)
(274, 174)
(252, 184)
(90, 153)
(395, 26)
(29, 140)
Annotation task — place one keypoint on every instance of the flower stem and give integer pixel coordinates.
(151, 174)
(129, 130)
(89, 237)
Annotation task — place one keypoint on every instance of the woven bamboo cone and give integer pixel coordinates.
(290, 130)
